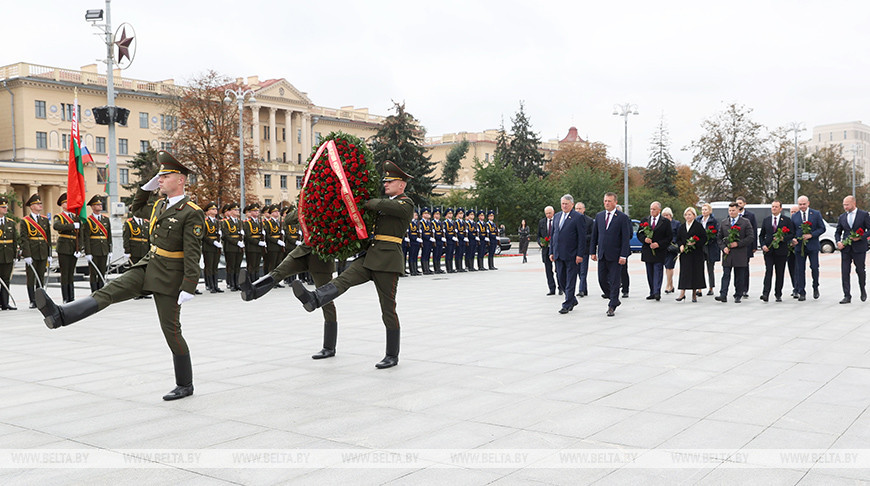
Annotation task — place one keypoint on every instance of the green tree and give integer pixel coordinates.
(586, 185)
(502, 145)
(661, 173)
(831, 181)
(454, 162)
(400, 139)
(145, 167)
(523, 156)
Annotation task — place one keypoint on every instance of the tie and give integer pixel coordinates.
(654, 223)
(733, 221)
(607, 221)
(775, 220)
(804, 213)
(851, 218)
(550, 228)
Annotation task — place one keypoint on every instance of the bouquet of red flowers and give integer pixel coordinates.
(647, 232)
(806, 229)
(690, 245)
(778, 237)
(854, 234)
(733, 235)
(544, 242)
(711, 233)
(331, 204)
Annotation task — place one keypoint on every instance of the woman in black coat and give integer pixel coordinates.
(523, 231)
(692, 260)
(711, 249)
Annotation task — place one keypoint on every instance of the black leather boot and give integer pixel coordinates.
(64, 293)
(491, 262)
(480, 263)
(30, 298)
(214, 284)
(312, 300)
(392, 357)
(255, 290)
(71, 292)
(330, 334)
(56, 316)
(183, 378)
(4, 300)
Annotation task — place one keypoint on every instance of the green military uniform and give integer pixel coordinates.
(273, 235)
(35, 243)
(136, 238)
(253, 238)
(8, 250)
(68, 244)
(211, 250)
(97, 240)
(170, 270)
(382, 263)
(231, 235)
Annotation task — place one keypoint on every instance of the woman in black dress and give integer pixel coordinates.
(523, 231)
(691, 238)
(711, 249)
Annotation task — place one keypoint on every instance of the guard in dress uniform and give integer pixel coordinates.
(8, 250)
(274, 235)
(438, 248)
(254, 244)
(415, 241)
(292, 235)
(170, 270)
(381, 264)
(428, 236)
(211, 248)
(233, 238)
(461, 238)
(483, 245)
(492, 231)
(449, 232)
(67, 226)
(35, 244)
(473, 240)
(136, 242)
(97, 240)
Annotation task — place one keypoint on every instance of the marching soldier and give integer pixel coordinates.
(170, 270)
(493, 232)
(97, 239)
(473, 232)
(35, 243)
(136, 245)
(483, 245)
(382, 263)
(292, 235)
(211, 248)
(233, 237)
(300, 259)
(461, 238)
(450, 239)
(254, 244)
(8, 250)
(274, 235)
(438, 248)
(67, 226)
(415, 241)
(428, 237)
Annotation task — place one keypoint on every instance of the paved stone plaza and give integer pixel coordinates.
(487, 367)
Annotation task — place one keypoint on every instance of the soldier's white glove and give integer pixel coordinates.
(242, 232)
(28, 260)
(184, 297)
(217, 244)
(77, 254)
(153, 184)
(407, 240)
(127, 256)
(432, 240)
(49, 260)
(455, 239)
(465, 240)
(76, 225)
(89, 258)
(110, 256)
(262, 243)
(281, 243)
(476, 238)
(298, 243)
(241, 245)
(419, 240)
(282, 232)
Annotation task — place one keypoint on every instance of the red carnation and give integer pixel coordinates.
(860, 231)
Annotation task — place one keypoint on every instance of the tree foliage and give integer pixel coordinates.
(400, 139)
(145, 167)
(661, 173)
(454, 162)
(832, 181)
(522, 154)
(592, 155)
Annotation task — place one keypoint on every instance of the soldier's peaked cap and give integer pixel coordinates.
(170, 165)
(392, 172)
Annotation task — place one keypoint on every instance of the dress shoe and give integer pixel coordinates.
(699, 293)
(710, 292)
(560, 292)
(324, 353)
(552, 292)
(603, 296)
(846, 300)
(795, 295)
(815, 293)
(779, 299)
(720, 298)
(737, 299)
(9, 307)
(179, 392)
(279, 286)
(658, 297)
(625, 295)
(764, 297)
(680, 298)
(695, 298)
(802, 298)
(563, 310)
(611, 312)
(32, 305)
(387, 362)
(650, 297)
(745, 295)
(671, 291)
(863, 295)
(196, 292)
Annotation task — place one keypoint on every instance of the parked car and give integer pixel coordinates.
(761, 211)
(504, 244)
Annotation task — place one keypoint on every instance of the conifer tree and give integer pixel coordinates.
(400, 139)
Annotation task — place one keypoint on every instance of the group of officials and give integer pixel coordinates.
(460, 239)
(570, 238)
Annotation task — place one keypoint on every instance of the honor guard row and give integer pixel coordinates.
(457, 240)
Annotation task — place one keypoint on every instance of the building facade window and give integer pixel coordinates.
(143, 120)
(124, 176)
(41, 140)
(266, 132)
(100, 143)
(123, 146)
(167, 146)
(298, 182)
(298, 135)
(283, 182)
(168, 122)
(102, 175)
(66, 112)
(64, 140)
(316, 138)
(144, 145)
(298, 158)
(40, 109)
(268, 155)
(283, 134)
(268, 201)
(267, 181)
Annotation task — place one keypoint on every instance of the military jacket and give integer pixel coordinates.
(413, 230)
(97, 235)
(438, 229)
(172, 264)
(8, 240)
(68, 237)
(253, 234)
(491, 229)
(461, 229)
(426, 229)
(473, 229)
(136, 235)
(34, 243)
(211, 233)
(273, 234)
(394, 217)
(231, 235)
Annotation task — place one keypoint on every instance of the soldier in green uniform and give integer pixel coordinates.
(67, 226)
(211, 248)
(301, 259)
(8, 250)
(292, 235)
(254, 244)
(274, 236)
(97, 240)
(136, 244)
(35, 243)
(381, 264)
(170, 270)
(233, 236)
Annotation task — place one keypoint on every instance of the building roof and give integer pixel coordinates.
(572, 137)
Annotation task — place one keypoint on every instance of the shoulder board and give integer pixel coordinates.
(193, 205)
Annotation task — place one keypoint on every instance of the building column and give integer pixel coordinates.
(255, 127)
(288, 143)
(307, 141)
(273, 134)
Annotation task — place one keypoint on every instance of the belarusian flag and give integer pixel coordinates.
(75, 180)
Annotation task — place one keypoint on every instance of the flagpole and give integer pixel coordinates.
(111, 181)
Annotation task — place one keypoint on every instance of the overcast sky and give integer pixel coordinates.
(463, 65)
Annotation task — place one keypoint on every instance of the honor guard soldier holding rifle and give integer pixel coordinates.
(8, 249)
(438, 247)
(381, 264)
(97, 242)
(492, 229)
(170, 270)
(67, 226)
(274, 236)
(233, 237)
(35, 246)
(136, 244)
(211, 248)
(450, 240)
(254, 244)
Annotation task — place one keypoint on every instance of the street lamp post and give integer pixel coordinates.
(796, 127)
(239, 95)
(623, 111)
(855, 149)
(94, 16)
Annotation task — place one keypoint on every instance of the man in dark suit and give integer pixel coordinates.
(545, 234)
(853, 228)
(775, 252)
(582, 288)
(567, 249)
(807, 247)
(611, 235)
(655, 248)
(736, 253)
(745, 213)
(790, 262)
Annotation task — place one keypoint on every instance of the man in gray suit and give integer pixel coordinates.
(736, 253)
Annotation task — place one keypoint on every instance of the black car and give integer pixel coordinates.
(504, 244)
